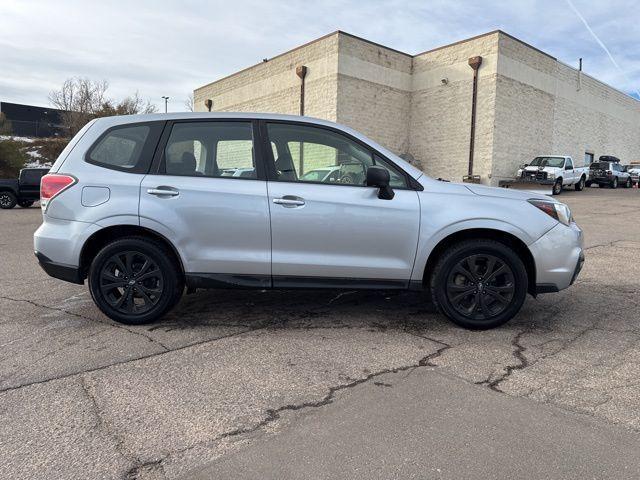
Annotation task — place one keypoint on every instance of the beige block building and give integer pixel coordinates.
(420, 106)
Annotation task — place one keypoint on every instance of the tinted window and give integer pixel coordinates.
(568, 165)
(210, 149)
(121, 147)
(312, 154)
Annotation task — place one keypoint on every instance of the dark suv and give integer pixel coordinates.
(608, 172)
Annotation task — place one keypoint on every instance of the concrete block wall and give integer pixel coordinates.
(273, 86)
(544, 107)
(374, 92)
(440, 118)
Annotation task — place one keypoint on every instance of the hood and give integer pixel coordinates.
(499, 192)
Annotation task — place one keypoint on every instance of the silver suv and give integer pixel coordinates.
(146, 206)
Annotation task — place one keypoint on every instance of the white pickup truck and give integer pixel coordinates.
(556, 171)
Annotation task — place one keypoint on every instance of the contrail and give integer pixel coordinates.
(601, 43)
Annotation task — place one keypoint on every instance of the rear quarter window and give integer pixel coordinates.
(127, 147)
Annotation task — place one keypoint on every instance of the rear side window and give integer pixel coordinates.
(211, 149)
(127, 147)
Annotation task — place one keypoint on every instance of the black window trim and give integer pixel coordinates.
(147, 155)
(158, 164)
(412, 183)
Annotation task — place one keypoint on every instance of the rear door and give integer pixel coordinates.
(218, 220)
(336, 231)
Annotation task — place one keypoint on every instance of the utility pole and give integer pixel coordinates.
(166, 99)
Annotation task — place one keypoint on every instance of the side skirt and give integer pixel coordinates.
(261, 282)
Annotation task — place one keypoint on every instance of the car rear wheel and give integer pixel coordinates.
(135, 280)
(614, 184)
(7, 200)
(580, 185)
(557, 187)
(479, 284)
(26, 203)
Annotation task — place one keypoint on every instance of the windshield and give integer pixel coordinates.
(599, 166)
(557, 162)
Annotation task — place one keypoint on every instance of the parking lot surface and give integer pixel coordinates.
(83, 397)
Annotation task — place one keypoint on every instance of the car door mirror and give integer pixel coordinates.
(379, 177)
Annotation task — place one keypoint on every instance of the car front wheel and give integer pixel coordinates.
(557, 187)
(628, 184)
(479, 284)
(614, 184)
(135, 280)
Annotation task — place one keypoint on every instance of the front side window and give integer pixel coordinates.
(568, 165)
(311, 154)
(121, 147)
(210, 149)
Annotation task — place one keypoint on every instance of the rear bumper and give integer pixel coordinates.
(67, 273)
(559, 256)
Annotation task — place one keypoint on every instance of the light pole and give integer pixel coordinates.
(166, 99)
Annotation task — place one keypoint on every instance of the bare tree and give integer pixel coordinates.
(188, 103)
(84, 99)
(81, 98)
(127, 106)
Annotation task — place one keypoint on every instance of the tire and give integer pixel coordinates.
(580, 185)
(113, 285)
(587, 184)
(629, 184)
(26, 203)
(614, 183)
(7, 200)
(557, 187)
(458, 294)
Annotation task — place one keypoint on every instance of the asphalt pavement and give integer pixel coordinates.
(229, 372)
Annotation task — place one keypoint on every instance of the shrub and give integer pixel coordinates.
(12, 158)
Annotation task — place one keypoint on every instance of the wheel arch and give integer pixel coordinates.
(100, 238)
(508, 239)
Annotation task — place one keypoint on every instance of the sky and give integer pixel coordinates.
(169, 48)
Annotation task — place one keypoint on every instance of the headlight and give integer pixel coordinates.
(519, 172)
(557, 210)
(551, 176)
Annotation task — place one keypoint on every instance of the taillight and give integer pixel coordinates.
(53, 184)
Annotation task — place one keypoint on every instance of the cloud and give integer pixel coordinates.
(169, 48)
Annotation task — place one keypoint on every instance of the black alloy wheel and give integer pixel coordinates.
(135, 280)
(480, 286)
(131, 282)
(7, 200)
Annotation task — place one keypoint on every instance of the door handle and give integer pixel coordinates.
(163, 191)
(289, 201)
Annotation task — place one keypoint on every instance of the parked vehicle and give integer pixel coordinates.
(556, 171)
(607, 172)
(23, 191)
(633, 170)
(139, 207)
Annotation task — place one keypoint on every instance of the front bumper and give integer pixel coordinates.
(559, 256)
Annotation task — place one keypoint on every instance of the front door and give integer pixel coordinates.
(327, 227)
(209, 199)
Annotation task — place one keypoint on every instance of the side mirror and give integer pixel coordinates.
(379, 177)
(525, 165)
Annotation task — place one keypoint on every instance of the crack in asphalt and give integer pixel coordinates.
(272, 415)
(85, 317)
